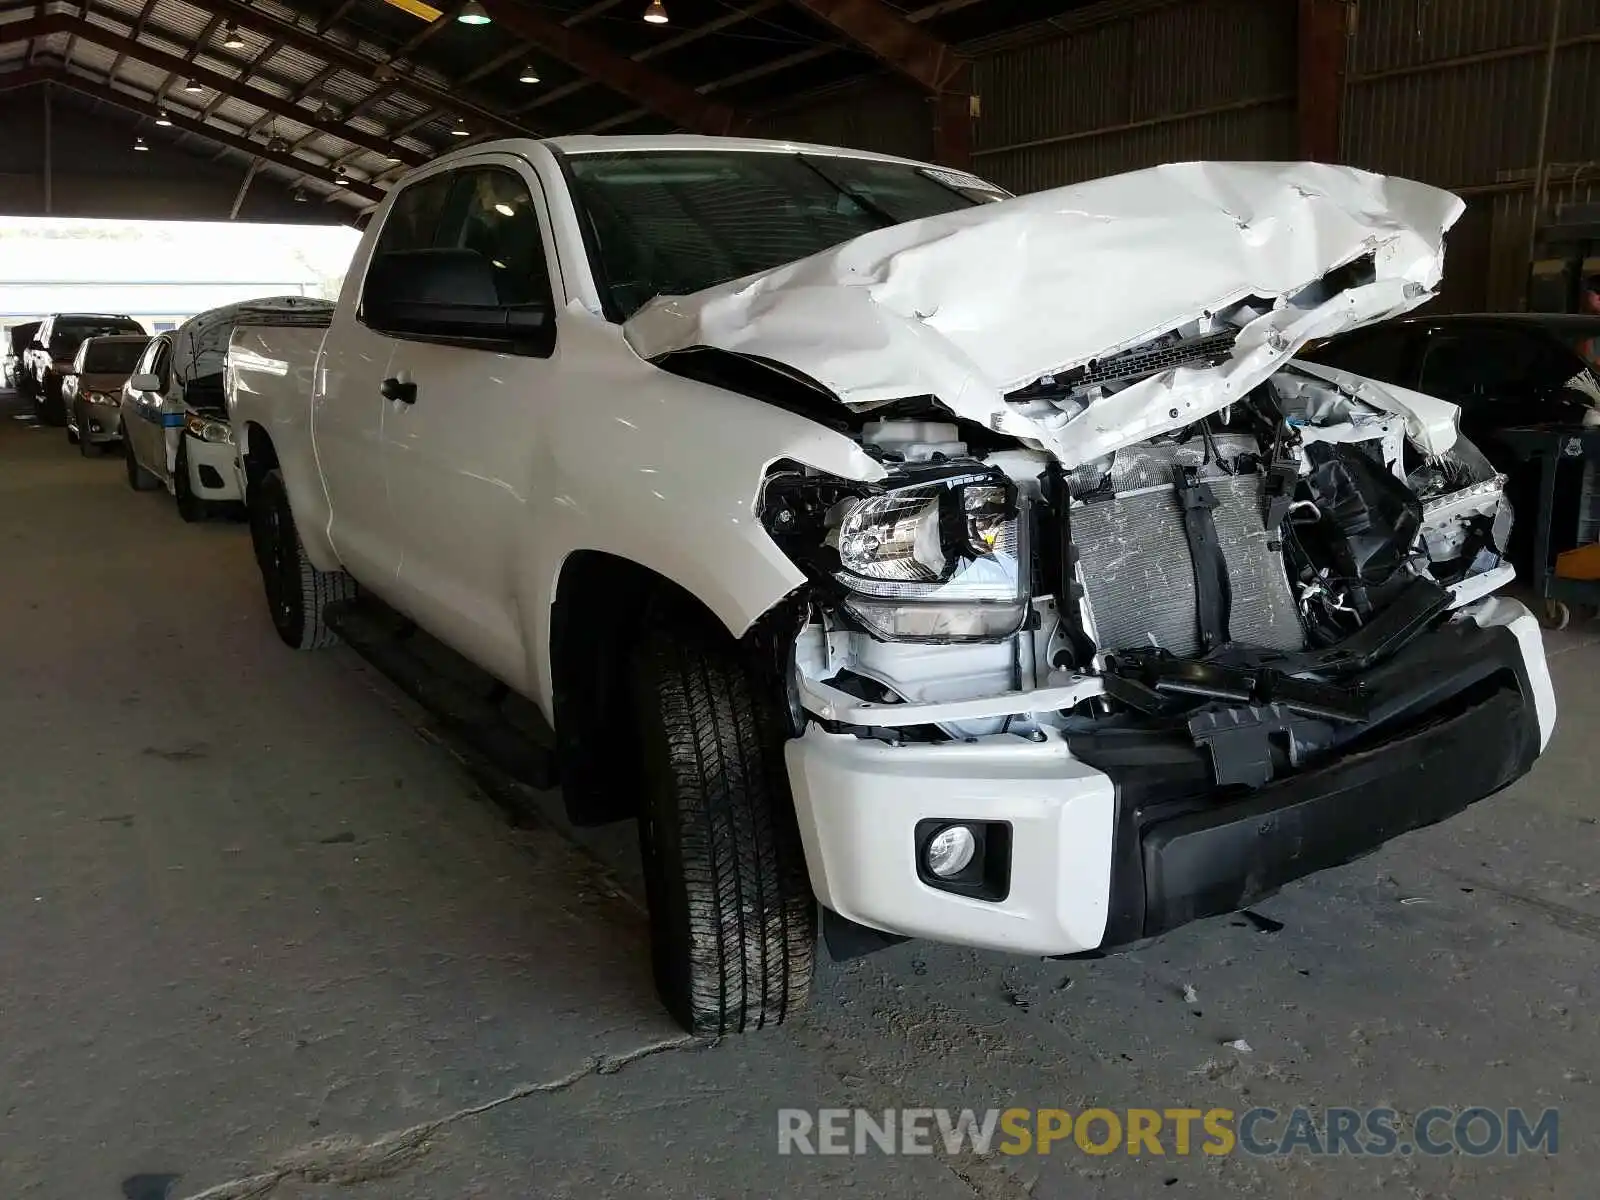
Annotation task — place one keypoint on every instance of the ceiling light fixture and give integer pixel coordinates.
(341, 180)
(231, 39)
(473, 13)
(190, 85)
(162, 119)
(139, 144)
(300, 196)
(656, 14)
(459, 129)
(528, 75)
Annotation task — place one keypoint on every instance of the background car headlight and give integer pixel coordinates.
(103, 398)
(941, 559)
(206, 429)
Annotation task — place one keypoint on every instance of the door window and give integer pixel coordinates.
(413, 218)
(491, 212)
(485, 209)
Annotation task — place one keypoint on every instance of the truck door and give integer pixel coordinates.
(463, 433)
(348, 409)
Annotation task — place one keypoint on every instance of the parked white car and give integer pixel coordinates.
(982, 568)
(174, 415)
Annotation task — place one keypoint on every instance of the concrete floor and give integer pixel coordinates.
(260, 934)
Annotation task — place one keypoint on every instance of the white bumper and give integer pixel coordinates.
(859, 800)
(213, 470)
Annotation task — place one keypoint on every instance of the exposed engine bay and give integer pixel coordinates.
(1231, 578)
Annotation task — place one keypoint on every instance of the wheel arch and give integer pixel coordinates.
(259, 452)
(595, 621)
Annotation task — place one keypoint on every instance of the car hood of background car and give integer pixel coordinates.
(970, 306)
(102, 381)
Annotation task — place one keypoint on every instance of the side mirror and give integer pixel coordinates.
(145, 382)
(451, 294)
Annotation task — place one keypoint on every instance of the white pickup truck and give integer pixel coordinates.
(957, 565)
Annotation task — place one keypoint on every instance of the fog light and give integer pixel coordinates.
(950, 850)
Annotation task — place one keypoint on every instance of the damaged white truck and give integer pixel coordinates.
(949, 564)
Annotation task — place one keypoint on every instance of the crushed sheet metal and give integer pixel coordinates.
(972, 305)
(1432, 423)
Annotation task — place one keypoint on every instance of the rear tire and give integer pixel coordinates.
(139, 479)
(52, 408)
(298, 595)
(732, 916)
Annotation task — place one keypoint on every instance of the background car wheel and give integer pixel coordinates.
(732, 916)
(52, 410)
(139, 479)
(190, 507)
(74, 436)
(298, 594)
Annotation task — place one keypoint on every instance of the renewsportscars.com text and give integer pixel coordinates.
(1262, 1132)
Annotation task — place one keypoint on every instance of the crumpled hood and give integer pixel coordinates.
(970, 306)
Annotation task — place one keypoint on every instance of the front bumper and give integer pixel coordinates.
(213, 475)
(1123, 834)
(100, 423)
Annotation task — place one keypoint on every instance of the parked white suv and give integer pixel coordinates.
(982, 568)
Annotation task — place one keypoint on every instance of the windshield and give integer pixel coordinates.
(67, 336)
(672, 222)
(111, 358)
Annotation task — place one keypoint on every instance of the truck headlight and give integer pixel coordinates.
(937, 556)
(208, 430)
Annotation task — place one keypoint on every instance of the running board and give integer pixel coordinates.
(471, 707)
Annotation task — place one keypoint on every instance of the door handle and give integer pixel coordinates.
(404, 391)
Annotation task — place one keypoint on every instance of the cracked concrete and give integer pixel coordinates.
(261, 935)
(346, 1160)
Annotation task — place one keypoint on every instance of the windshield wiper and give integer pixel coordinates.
(867, 203)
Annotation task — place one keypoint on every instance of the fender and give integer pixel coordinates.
(683, 467)
(268, 397)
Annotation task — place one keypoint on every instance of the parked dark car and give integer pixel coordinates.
(1503, 370)
(56, 344)
(18, 339)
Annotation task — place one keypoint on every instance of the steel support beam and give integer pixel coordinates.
(658, 93)
(211, 133)
(895, 41)
(306, 40)
(1324, 54)
(266, 101)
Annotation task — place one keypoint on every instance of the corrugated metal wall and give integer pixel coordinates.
(1446, 91)
(1451, 92)
(1204, 79)
(881, 114)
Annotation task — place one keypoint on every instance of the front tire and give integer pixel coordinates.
(139, 479)
(732, 917)
(298, 595)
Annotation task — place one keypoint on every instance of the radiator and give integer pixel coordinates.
(1138, 576)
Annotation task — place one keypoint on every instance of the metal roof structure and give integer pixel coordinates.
(339, 97)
